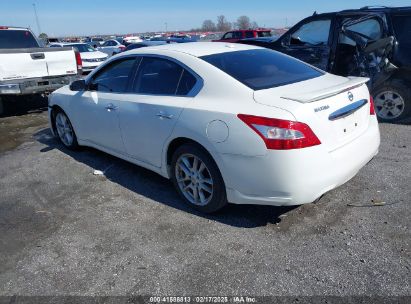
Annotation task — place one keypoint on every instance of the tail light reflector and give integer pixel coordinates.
(372, 107)
(79, 62)
(279, 134)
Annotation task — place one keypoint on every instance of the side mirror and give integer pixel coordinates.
(78, 85)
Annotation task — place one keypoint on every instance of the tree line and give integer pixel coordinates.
(223, 25)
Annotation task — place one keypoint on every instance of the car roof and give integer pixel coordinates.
(198, 49)
(368, 9)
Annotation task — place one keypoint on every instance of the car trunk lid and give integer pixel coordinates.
(336, 108)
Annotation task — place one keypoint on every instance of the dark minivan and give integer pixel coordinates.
(373, 42)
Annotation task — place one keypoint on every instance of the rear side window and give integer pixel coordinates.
(114, 77)
(16, 39)
(264, 34)
(158, 76)
(237, 35)
(402, 28)
(249, 34)
(262, 68)
(187, 82)
(312, 33)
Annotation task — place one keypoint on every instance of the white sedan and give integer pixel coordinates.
(111, 47)
(225, 122)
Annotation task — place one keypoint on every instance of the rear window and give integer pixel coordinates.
(262, 68)
(17, 39)
(402, 28)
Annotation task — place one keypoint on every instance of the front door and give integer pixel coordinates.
(97, 108)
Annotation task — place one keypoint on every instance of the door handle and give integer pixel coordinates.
(163, 115)
(110, 107)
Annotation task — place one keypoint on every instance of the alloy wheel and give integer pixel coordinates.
(64, 129)
(194, 179)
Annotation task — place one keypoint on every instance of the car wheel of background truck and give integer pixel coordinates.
(392, 102)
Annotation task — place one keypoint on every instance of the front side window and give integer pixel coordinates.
(158, 76)
(114, 77)
(228, 35)
(312, 33)
(262, 68)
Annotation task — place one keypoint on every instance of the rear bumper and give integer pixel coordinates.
(296, 177)
(35, 85)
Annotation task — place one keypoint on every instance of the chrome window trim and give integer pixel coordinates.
(192, 93)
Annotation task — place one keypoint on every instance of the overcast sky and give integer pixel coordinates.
(91, 17)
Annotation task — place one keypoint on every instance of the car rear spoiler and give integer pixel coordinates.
(351, 83)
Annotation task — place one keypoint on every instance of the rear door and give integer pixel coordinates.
(161, 90)
(310, 41)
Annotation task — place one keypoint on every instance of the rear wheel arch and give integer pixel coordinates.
(178, 142)
(183, 147)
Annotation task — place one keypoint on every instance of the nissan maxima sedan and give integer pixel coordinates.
(227, 123)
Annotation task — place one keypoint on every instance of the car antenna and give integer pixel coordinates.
(315, 13)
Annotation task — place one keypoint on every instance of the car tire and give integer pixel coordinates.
(64, 130)
(197, 179)
(392, 102)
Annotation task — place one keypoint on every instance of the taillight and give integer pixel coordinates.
(122, 48)
(372, 107)
(279, 134)
(79, 62)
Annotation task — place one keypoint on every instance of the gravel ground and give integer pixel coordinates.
(66, 231)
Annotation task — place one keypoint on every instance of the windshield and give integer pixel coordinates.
(82, 48)
(262, 68)
(17, 39)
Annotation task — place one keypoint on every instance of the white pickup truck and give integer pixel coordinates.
(26, 68)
